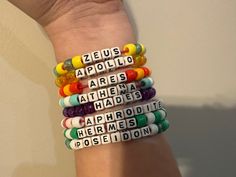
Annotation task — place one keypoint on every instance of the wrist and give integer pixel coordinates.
(99, 26)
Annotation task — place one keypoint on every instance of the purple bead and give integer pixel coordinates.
(89, 108)
(145, 94)
(65, 112)
(152, 92)
(71, 111)
(79, 111)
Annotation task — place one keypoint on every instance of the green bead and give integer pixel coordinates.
(73, 133)
(67, 143)
(141, 120)
(146, 82)
(138, 48)
(160, 115)
(55, 72)
(74, 100)
(68, 65)
(164, 125)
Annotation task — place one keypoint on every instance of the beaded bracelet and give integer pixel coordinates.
(102, 127)
(78, 99)
(79, 122)
(127, 76)
(119, 136)
(78, 62)
(89, 108)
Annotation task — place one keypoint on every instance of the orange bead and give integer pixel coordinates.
(140, 73)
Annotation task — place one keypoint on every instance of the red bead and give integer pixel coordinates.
(61, 92)
(131, 75)
(76, 87)
(147, 71)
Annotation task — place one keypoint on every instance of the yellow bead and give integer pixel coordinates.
(77, 62)
(143, 50)
(66, 90)
(143, 60)
(140, 73)
(60, 70)
(60, 81)
(137, 61)
(131, 49)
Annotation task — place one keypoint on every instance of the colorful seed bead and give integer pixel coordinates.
(160, 115)
(73, 99)
(71, 133)
(61, 92)
(164, 125)
(147, 71)
(143, 50)
(140, 73)
(66, 90)
(77, 62)
(67, 143)
(60, 81)
(131, 75)
(76, 87)
(138, 48)
(68, 65)
(60, 70)
(148, 93)
(146, 82)
(130, 49)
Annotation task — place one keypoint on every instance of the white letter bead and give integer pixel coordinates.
(110, 65)
(100, 129)
(96, 140)
(112, 79)
(90, 70)
(137, 95)
(87, 142)
(119, 115)
(111, 127)
(146, 108)
(128, 97)
(102, 93)
(87, 59)
(115, 52)
(90, 131)
(125, 136)
(118, 100)
(89, 120)
(136, 133)
(121, 89)
(102, 81)
(121, 77)
(115, 137)
(109, 117)
(154, 129)
(128, 60)
(150, 118)
(131, 87)
(78, 122)
(105, 139)
(108, 103)
(98, 105)
(145, 131)
(120, 62)
(106, 54)
(155, 105)
(81, 133)
(76, 144)
(96, 56)
(138, 110)
(131, 123)
(83, 98)
(80, 73)
(93, 84)
(128, 112)
(121, 124)
(100, 67)
(99, 119)
(112, 91)
(92, 96)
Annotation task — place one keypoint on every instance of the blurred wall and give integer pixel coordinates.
(191, 48)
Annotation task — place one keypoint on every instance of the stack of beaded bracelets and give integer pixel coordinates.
(123, 83)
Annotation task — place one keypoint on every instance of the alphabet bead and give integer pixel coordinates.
(98, 105)
(89, 120)
(145, 131)
(93, 84)
(80, 73)
(112, 91)
(112, 79)
(100, 67)
(102, 82)
(120, 62)
(131, 123)
(106, 54)
(102, 93)
(87, 59)
(121, 124)
(96, 56)
(76, 144)
(111, 127)
(128, 98)
(90, 131)
(128, 112)
(110, 65)
(87, 142)
(105, 139)
(125, 136)
(119, 115)
(83, 98)
(118, 100)
(90, 70)
(92, 96)
(115, 137)
(128, 60)
(109, 117)
(136, 134)
(99, 119)
(96, 140)
(115, 52)
(108, 103)
(121, 77)
(99, 129)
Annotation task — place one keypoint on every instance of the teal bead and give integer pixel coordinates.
(55, 72)
(146, 82)
(164, 125)
(160, 115)
(138, 49)
(61, 102)
(141, 120)
(68, 65)
(74, 100)
(67, 143)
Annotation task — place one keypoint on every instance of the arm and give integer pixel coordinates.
(80, 26)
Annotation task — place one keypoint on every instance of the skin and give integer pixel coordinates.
(80, 26)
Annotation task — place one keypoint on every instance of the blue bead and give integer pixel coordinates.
(146, 82)
(74, 100)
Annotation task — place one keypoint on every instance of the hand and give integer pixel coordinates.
(78, 26)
